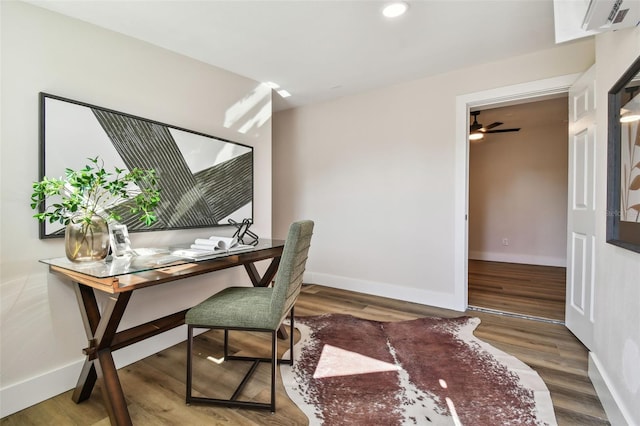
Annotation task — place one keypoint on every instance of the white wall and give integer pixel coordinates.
(616, 355)
(518, 186)
(41, 330)
(376, 171)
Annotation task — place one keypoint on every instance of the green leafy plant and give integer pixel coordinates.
(94, 191)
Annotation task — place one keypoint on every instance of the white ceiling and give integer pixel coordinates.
(324, 49)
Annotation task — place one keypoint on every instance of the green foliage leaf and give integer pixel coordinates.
(92, 189)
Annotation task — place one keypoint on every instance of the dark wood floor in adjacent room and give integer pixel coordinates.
(154, 387)
(531, 290)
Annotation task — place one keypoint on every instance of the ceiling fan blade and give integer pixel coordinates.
(503, 130)
(491, 126)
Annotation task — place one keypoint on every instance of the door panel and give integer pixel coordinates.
(581, 171)
(581, 214)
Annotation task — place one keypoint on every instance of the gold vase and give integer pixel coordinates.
(86, 240)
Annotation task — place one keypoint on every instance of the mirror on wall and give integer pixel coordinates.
(623, 167)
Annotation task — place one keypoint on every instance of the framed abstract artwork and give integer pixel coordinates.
(623, 168)
(205, 181)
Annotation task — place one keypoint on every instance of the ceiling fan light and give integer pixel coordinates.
(476, 136)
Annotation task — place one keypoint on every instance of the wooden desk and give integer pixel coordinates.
(120, 278)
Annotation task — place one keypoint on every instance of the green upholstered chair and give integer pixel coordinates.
(254, 309)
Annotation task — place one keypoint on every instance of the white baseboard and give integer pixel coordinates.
(518, 258)
(19, 396)
(614, 407)
(391, 291)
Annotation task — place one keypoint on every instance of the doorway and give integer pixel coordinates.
(518, 208)
(494, 98)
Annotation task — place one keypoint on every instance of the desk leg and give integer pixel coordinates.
(86, 382)
(264, 281)
(91, 318)
(113, 395)
(99, 365)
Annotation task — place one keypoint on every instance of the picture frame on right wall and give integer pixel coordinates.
(623, 163)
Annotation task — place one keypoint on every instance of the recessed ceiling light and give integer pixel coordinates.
(395, 9)
(272, 85)
(284, 93)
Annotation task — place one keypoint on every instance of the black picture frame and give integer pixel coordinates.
(623, 162)
(204, 180)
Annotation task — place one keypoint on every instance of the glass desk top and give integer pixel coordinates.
(148, 259)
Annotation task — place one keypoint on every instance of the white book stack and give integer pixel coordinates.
(215, 243)
(210, 247)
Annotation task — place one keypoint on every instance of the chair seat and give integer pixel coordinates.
(236, 307)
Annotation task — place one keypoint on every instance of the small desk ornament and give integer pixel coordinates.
(119, 238)
(243, 230)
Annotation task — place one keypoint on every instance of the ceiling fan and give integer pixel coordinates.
(477, 130)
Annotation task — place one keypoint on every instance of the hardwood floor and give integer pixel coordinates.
(155, 386)
(531, 290)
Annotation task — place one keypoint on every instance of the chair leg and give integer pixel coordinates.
(274, 363)
(233, 401)
(291, 337)
(226, 344)
(189, 364)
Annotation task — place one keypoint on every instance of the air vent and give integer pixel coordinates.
(605, 15)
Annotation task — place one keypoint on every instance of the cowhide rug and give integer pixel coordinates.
(428, 371)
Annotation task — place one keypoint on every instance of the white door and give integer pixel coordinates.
(581, 216)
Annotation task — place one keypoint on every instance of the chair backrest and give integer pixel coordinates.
(291, 269)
